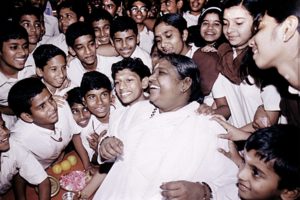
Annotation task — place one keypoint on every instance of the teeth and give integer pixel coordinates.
(125, 94)
(154, 87)
(3, 140)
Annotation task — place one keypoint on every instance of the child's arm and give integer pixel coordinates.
(44, 190)
(81, 151)
(92, 186)
(6, 110)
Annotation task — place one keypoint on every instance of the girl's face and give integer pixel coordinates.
(237, 26)
(169, 39)
(211, 27)
(267, 43)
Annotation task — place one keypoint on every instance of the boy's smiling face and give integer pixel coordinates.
(257, 179)
(129, 86)
(43, 110)
(98, 102)
(14, 54)
(102, 31)
(85, 50)
(125, 42)
(54, 73)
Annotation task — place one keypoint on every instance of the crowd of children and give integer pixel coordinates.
(169, 99)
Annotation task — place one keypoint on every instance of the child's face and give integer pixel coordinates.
(98, 102)
(196, 5)
(44, 110)
(257, 179)
(211, 27)
(54, 73)
(102, 31)
(4, 136)
(80, 114)
(129, 86)
(14, 54)
(85, 50)
(66, 18)
(170, 6)
(237, 26)
(169, 39)
(33, 27)
(110, 7)
(138, 12)
(125, 43)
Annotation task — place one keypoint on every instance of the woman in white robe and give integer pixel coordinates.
(171, 143)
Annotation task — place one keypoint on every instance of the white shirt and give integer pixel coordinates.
(192, 50)
(146, 39)
(190, 19)
(15, 160)
(44, 143)
(59, 41)
(179, 145)
(244, 99)
(75, 70)
(5, 86)
(143, 55)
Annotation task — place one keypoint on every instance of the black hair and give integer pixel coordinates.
(175, 20)
(11, 30)
(281, 9)
(77, 30)
(186, 67)
(74, 96)
(135, 65)
(21, 94)
(77, 6)
(280, 145)
(46, 52)
(146, 2)
(29, 10)
(123, 23)
(94, 81)
(100, 14)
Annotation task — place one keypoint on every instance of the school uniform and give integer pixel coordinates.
(192, 50)
(59, 41)
(143, 55)
(45, 144)
(190, 19)
(6, 84)
(146, 39)
(75, 70)
(170, 146)
(18, 160)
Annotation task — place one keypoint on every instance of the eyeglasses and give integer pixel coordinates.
(135, 9)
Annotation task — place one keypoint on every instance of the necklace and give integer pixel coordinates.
(153, 112)
(59, 139)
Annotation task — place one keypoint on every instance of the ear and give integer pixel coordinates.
(39, 72)
(138, 38)
(26, 117)
(179, 5)
(84, 102)
(112, 42)
(185, 35)
(186, 84)
(71, 51)
(112, 98)
(290, 194)
(145, 82)
(128, 13)
(289, 26)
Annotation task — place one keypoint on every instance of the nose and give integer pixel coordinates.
(243, 173)
(122, 85)
(99, 101)
(32, 28)
(251, 42)
(87, 51)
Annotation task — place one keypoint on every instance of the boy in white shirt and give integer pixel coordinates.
(192, 15)
(80, 38)
(125, 37)
(138, 11)
(51, 68)
(15, 159)
(13, 55)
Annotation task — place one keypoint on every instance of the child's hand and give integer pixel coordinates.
(261, 119)
(93, 141)
(233, 133)
(232, 154)
(110, 148)
(205, 109)
(208, 48)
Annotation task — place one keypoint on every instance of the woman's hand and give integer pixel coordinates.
(110, 148)
(182, 190)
